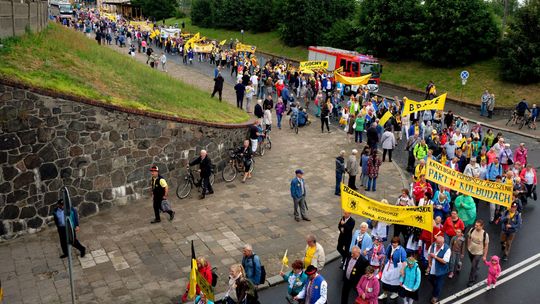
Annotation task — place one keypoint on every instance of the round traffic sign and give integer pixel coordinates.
(464, 74)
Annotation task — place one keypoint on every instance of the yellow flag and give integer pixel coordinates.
(385, 118)
(354, 202)
(338, 70)
(352, 80)
(285, 260)
(193, 275)
(412, 106)
(223, 42)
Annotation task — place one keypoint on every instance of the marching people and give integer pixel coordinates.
(494, 271)
(394, 263)
(316, 290)
(368, 287)
(160, 192)
(510, 225)
(439, 256)
(296, 280)
(354, 267)
(410, 279)
(345, 227)
(477, 248)
(205, 269)
(218, 86)
(60, 222)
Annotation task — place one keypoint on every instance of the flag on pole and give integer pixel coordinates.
(285, 260)
(385, 118)
(223, 42)
(193, 275)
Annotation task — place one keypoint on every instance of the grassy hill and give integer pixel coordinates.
(66, 61)
(413, 74)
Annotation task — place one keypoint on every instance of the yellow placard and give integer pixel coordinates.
(385, 118)
(412, 106)
(314, 65)
(354, 202)
(352, 80)
(245, 48)
(202, 48)
(205, 287)
(142, 25)
(492, 192)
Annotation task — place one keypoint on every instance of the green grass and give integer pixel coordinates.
(65, 61)
(413, 74)
(267, 42)
(483, 75)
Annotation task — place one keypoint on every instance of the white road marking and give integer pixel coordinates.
(483, 282)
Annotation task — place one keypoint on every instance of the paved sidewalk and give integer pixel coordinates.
(131, 261)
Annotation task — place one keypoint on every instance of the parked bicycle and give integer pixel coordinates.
(186, 183)
(235, 165)
(520, 121)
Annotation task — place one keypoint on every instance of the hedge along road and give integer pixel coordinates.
(523, 247)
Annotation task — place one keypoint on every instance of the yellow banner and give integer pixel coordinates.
(205, 287)
(492, 192)
(109, 16)
(412, 106)
(203, 48)
(245, 48)
(354, 202)
(385, 118)
(352, 80)
(338, 70)
(142, 25)
(314, 65)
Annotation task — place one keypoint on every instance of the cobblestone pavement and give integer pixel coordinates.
(131, 261)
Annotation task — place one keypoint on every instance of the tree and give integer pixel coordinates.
(303, 22)
(458, 32)
(390, 28)
(202, 12)
(519, 54)
(158, 9)
(259, 15)
(342, 34)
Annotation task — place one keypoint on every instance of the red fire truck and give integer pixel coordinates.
(354, 64)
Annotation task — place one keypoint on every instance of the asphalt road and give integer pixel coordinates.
(521, 289)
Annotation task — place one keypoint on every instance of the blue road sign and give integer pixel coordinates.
(464, 74)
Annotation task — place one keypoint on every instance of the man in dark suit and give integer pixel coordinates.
(346, 227)
(60, 222)
(354, 268)
(205, 165)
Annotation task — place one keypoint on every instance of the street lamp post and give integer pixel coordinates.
(242, 32)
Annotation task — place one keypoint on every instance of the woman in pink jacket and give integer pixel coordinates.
(520, 155)
(528, 176)
(368, 288)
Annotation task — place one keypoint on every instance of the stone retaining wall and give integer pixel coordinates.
(101, 153)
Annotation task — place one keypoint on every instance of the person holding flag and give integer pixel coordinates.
(296, 279)
(200, 270)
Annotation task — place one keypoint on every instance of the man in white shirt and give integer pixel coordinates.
(439, 256)
(316, 290)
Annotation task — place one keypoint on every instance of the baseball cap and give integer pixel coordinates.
(298, 171)
(154, 168)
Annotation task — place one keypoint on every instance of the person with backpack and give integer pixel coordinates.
(252, 265)
(477, 248)
(510, 222)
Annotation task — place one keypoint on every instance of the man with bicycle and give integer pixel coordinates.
(521, 107)
(205, 166)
